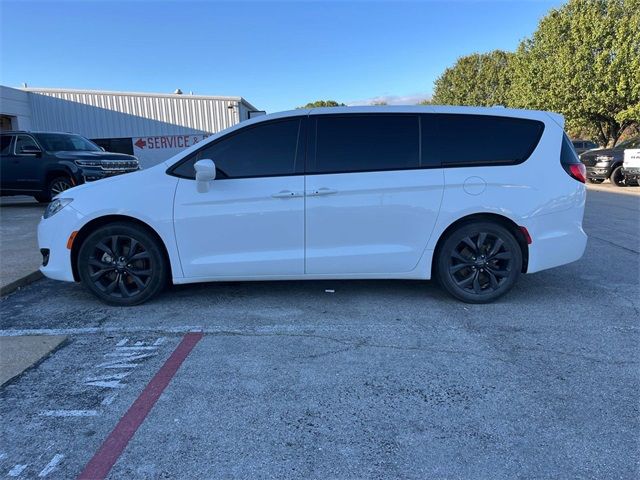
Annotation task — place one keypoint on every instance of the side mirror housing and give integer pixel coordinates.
(30, 150)
(205, 174)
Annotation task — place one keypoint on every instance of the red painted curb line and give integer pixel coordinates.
(105, 458)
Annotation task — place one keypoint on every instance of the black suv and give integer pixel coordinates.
(607, 162)
(44, 164)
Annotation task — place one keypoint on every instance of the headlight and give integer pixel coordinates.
(604, 158)
(55, 206)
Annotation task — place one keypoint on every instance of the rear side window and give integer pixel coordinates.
(360, 143)
(474, 140)
(264, 150)
(5, 144)
(568, 154)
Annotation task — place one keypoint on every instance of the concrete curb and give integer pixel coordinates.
(24, 363)
(21, 282)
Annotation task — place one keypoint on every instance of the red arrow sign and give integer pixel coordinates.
(140, 143)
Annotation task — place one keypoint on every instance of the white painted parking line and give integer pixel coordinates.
(51, 465)
(108, 400)
(101, 330)
(122, 342)
(17, 470)
(69, 413)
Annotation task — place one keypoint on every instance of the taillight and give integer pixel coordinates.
(577, 171)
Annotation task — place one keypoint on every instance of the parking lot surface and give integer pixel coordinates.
(381, 379)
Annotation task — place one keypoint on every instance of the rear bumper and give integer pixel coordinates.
(631, 173)
(558, 239)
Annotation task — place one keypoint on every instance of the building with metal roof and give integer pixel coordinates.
(151, 126)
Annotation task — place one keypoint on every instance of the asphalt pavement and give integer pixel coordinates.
(381, 379)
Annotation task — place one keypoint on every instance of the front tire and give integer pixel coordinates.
(617, 177)
(55, 186)
(122, 264)
(479, 262)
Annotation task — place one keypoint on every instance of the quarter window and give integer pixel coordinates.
(468, 140)
(264, 150)
(359, 143)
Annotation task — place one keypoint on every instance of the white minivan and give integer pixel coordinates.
(471, 196)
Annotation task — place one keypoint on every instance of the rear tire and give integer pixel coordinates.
(617, 177)
(122, 264)
(479, 262)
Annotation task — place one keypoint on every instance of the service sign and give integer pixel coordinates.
(155, 149)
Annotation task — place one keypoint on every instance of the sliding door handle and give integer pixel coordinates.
(287, 194)
(321, 191)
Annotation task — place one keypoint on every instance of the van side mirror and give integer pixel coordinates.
(205, 173)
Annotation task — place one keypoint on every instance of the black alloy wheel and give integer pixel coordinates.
(479, 262)
(122, 264)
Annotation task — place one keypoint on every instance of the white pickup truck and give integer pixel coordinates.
(631, 166)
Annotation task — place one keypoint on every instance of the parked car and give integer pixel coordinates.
(606, 163)
(582, 146)
(333, 193)
(631, 166)
(44, 164)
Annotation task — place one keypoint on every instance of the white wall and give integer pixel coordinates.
(15, 103)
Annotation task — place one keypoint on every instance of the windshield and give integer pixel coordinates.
(631, 143)
(66, 142)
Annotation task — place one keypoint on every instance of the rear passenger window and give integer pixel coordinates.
(468, 140)
(360, 143)
(5, 144)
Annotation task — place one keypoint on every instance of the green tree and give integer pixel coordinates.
(323, 103)
(584, 62)
(480, 79)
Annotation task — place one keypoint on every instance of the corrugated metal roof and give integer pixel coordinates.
(99, 114)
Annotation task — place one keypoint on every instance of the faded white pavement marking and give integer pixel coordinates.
(69, 413)
(51, 465)
(17, 470)
(99, 330)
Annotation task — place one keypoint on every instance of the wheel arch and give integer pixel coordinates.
(92, 225)
(59, 171)
(506, 222)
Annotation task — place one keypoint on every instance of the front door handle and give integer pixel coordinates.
(287, 194)
(322, 191)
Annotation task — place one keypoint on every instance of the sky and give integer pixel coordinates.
(277, 55)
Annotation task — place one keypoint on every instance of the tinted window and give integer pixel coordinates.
(116, 145)
(461, 140)
(355, 143)
(5, 144)
(264, 150)
(568, 154)
(24, 141)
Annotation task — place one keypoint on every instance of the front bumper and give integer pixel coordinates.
(599, 172)
(53, 234)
